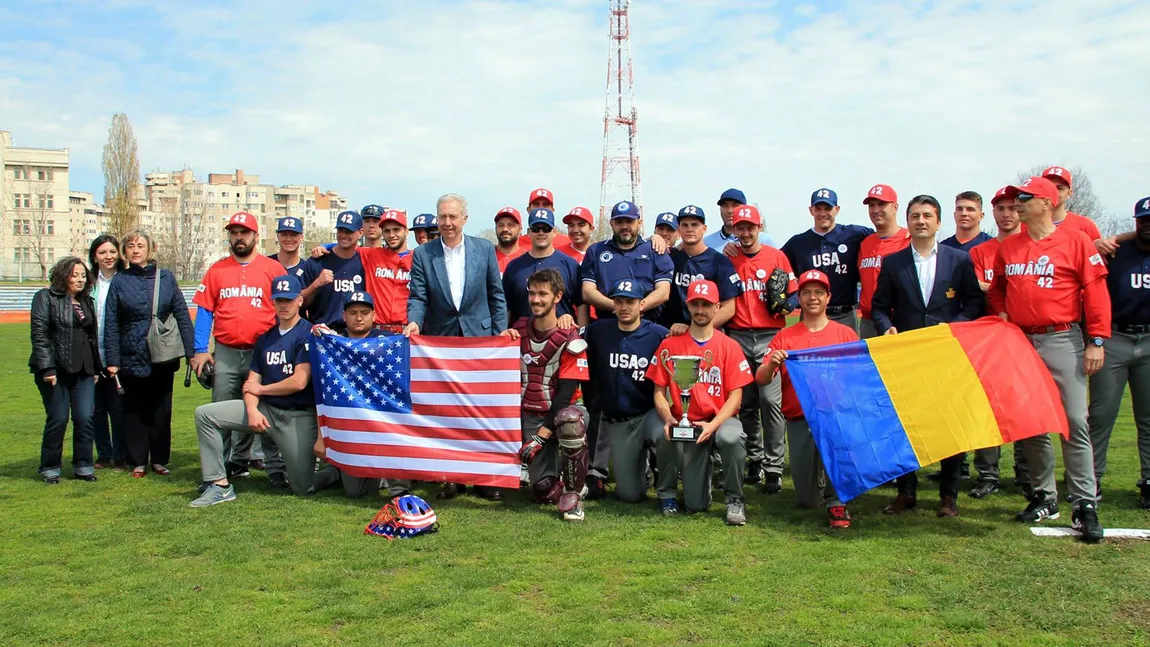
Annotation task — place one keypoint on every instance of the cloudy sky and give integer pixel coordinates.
(398, 102)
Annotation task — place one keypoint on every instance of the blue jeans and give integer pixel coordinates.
(75, 394)
(108, 425)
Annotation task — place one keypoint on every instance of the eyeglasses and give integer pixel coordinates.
(1025, 197)
(541, 229)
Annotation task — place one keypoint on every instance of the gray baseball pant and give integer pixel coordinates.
(1062, 354)
(867, 328)
(1127, 362)
(232, 368)
(849, 319)
(631, 440)
(295, 431)
(355, 487)
(812, 487)
(765, 443)
(986, 462)
(694, 466)
(546, 463)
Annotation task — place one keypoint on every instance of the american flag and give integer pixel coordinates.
(442, 409)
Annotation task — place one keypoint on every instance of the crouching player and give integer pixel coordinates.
(277, 400)
(554, 361)
(724, 371)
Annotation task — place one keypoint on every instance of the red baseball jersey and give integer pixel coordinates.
(797, 337)
(983, 258)
(504, 259)
(871, 252)
(1049, 281)
(724, 369)
(751, 306)
(569, 249)
(386, 274)
(547, 357)
(1076, 222)
(240, 299)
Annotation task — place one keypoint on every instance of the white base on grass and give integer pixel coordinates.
(1122, 533)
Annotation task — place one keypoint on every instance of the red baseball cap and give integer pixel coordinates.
(703, 291)
(882, 193)
(395, 215)
(1002, 194)
(509, 211)
(814, 276)
(1059, 172)
(1037, 186)
(245, 220)
(580, 213)
(541, 194)
(747, 213)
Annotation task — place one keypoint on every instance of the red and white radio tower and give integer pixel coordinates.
(620, 119)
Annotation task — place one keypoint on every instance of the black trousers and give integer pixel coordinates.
(951, 469)
(148, 415)
(108, 424)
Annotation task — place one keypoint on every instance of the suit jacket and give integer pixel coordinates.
(898, 300)
(483, 310)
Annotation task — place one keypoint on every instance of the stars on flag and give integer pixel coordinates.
(371, 373)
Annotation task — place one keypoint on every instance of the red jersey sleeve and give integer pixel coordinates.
(656, 373)
(572, 363)
(205, 296)
(1095, 294)
(996, 295)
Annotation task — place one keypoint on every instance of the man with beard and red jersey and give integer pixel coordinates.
(508, 227)
(579, 223)
(882, 205)
(554, 428)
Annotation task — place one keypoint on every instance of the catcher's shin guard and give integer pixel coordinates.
(571, 430)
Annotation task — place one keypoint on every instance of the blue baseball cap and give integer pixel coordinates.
(423, 221)
(690, 211)
(732, 194)
(668, 219)
(626, 288)
(290, 224)
(1142, 208)
(286, 286)
(541, 217)
(825, 196)
(372, 211)
(349, 220)
(359, 297)
(624, 209)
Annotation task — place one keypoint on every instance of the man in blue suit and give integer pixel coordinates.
(456, 291)
(924, 285)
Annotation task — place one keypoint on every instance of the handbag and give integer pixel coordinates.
(164, 341)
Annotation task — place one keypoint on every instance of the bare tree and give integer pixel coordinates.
(34, 226)
(186, 238)
(121, 175)
(1082, 201)
(490, 235)
(602, 230)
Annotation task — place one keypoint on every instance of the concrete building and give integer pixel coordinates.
(36, 227)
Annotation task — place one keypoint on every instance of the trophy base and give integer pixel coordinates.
(686, 434)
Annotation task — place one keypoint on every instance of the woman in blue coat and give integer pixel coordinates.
(147, 386)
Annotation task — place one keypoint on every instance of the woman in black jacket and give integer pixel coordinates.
(147, 386)
(66, 363)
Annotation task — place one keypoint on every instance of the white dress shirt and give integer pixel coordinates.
(456, 271)
(102, 287)
(926, 267)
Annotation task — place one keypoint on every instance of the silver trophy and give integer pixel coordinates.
(686, 371)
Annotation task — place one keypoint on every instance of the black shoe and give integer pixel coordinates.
(1038, 510)
(91, 478)
(450, 491)
(485, 492)
(52, 480)
(596, 488)
(278, 480)
(1085, 521)
(754, 475)
(1144, 490)
(237, 470)
(983, 489)
(772, 484)
(257, 464)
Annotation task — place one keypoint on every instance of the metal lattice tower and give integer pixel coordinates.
(620, 119)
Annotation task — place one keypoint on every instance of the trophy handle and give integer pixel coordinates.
(665, 361)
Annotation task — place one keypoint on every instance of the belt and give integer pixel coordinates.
(297, 407)
(616, 420)
(835, 311)
(1132, 329)
(1045, 330)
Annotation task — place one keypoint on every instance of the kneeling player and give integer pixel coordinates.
(813, 331)
(554, 362)
(714, 399)
(278, 400)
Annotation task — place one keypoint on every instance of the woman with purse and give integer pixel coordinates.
(108, 422)
(147, 331)
(66, 362)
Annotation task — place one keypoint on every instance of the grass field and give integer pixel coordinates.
(127, 561)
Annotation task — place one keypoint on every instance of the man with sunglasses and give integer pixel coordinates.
(1044, 280)
(542, 255)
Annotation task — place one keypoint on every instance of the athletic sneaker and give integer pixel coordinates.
(236, 470)
(595, 488)
(215, 494)
(1144, 491)
(838, 516)
(575, 514)
(772, 483)
(754, 474)
(1085, 521)
(983, 489)
(1038, 510)
(736, 513)
(668, 507)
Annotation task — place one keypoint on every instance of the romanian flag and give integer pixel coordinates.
(889, 405)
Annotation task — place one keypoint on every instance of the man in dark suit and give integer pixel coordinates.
(456, 291)
(924, 285)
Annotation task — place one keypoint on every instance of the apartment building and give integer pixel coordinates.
(36, 227)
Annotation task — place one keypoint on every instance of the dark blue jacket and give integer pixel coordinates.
(897, 300)
(128, 314)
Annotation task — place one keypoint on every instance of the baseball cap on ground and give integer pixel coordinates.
(702, 290)
(290, 224)
(1142, 208)
(880, 193)
(423, 221)
(734, 195)
(825, 196)
(359, 297)
(1038, 187)
(814, 276)
(286, 287)
(394, 215)
(1000, 195)
(541, 217)
(624, 209)
(245, 220)
(1054, 173)
(667, 219)
(747, 213)
(349, 220)
(541, 194)
(691, 211)
(627, 289)
(580, 213)
(511, 212)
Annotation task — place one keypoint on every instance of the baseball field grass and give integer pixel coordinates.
(126, 561)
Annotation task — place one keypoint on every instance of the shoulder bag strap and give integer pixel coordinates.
(156, 294)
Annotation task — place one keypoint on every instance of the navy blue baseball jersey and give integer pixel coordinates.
(605, 265)
(710, 266)
(1129, 285)
(835, 254)
(287, 270)
(618, 364)
(326, 304)
(276, 357)
(515, 283)
(981, 238)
